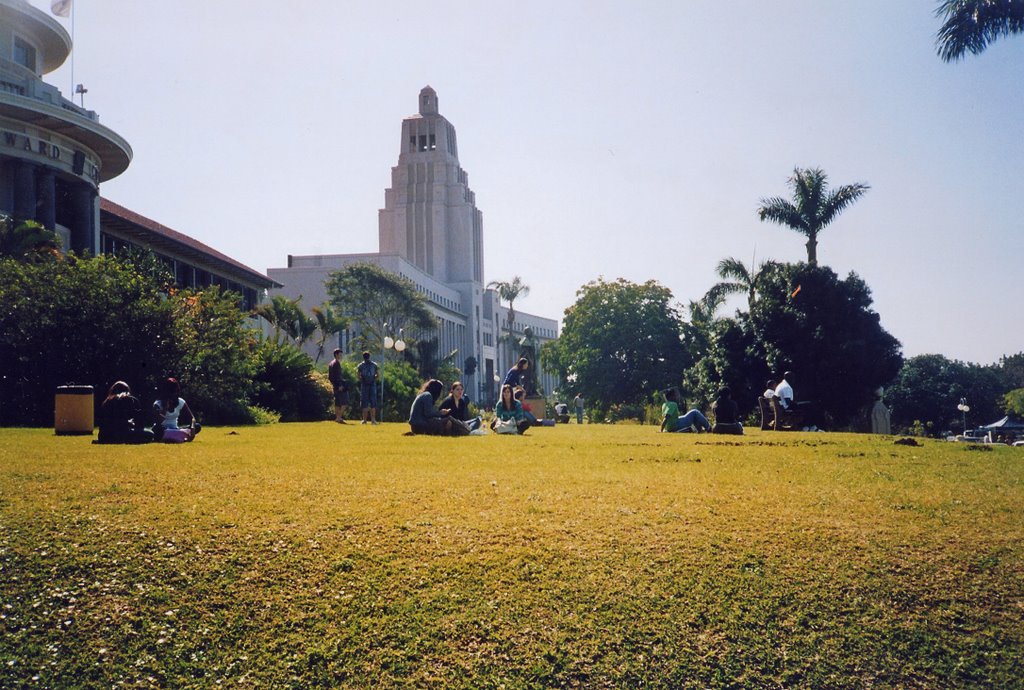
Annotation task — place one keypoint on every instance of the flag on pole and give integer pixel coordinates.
(61, 8)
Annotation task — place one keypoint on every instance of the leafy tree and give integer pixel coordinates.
(620, 342)
(286, 382)
(88, 321)
(813, 207)
(27, 241)
(430, 364)
(1011, 371)
(970, 25)
(729, 358)
(328, 323)
(510, 291)
(929, 388)
(401, 384)
(809, 321)
(737, 279)
(214, 354)
(1013, 402)
(372, 297)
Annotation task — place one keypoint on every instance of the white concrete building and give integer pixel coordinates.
(431, 232)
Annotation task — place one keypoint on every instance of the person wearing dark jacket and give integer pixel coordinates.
(726, 413)
(424, 418)
(457, 405)
(120, 413)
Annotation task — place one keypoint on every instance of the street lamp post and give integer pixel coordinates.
(389, 343)
(964, 409)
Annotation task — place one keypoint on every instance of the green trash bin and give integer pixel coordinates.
(73, 410)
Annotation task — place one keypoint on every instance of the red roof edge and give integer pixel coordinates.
(108, 206)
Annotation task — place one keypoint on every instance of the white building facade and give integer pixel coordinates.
(431, 232)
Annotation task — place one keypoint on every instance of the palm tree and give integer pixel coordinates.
(813, 207)
(286, 315)
(737, 279)
(328, 324)
(970, 25)
(510, 292)
(27, 241)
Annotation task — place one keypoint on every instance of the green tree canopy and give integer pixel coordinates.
(371, 297)
(27, 241)
(823, 329)
(1013, 403)
(620, 342)
(813, 207)
(88, 321)
(928, 389)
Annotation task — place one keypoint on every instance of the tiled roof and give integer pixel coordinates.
(149, 233)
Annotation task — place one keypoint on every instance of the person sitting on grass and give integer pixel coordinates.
(726, 414)
(674, 422)
(426, 419)
(520, 395)
(457, 405)
(508, 408)
(169, 408)
(119, 413)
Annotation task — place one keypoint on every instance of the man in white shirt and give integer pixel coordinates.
(784, 391)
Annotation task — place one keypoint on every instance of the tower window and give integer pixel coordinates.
(433, 142)
(24, 54)
(412, 143)
(423, 142)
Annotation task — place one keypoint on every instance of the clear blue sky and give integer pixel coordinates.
(629, 138)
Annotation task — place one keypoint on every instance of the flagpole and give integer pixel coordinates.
(72, 89)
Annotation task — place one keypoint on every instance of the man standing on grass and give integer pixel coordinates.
(368, 375)
(340, 385)
(577, 403)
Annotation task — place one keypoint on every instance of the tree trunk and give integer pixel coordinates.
(812, 250)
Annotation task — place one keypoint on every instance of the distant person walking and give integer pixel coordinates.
(340, 385)
(368, 372)
(577, 403)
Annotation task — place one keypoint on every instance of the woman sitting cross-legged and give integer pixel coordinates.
(171, 412)
(424, 418)
(674, 422)
(457, 405)
(508, 410)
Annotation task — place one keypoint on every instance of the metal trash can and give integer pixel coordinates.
(73, 410)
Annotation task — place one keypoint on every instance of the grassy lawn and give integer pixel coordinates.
(319, 555)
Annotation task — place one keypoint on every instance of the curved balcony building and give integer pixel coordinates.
(53, 153)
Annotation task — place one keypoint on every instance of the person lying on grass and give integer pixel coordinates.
(674, 422)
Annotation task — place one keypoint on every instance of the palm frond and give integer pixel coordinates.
(783, 212)
(969, 26)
